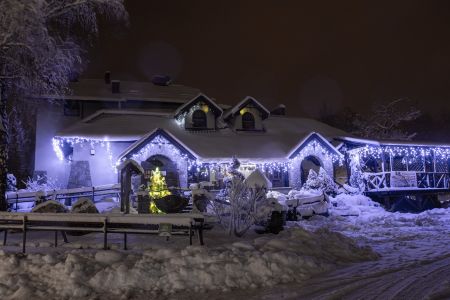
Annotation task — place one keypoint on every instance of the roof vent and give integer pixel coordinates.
(161, 80)
(280, 110)
(115, 86)
(107, 77)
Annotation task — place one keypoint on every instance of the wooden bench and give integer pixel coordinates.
(167, 225)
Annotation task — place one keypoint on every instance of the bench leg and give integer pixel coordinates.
(56, 238)
(24, 240)
(105, 235)
(200, 235)
(125, 241)
(190, 235)
(63, 233)
(5, 236)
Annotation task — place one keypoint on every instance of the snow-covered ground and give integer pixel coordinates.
(414, 258)
(318, 258)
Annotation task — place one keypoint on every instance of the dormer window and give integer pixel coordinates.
(199, 119)
(200, 113)
(247, 115)
(248, 121)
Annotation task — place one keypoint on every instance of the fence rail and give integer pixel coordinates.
(102, 190)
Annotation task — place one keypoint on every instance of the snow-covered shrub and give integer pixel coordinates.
(356, 174)
(239, 207)
(41, 183)
(322, 182)
(277, 195)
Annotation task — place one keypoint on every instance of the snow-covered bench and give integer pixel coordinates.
(168, 224)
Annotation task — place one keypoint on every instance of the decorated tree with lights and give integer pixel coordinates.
(157, 189)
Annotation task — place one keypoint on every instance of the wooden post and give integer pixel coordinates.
(124, 241)
(56, 238)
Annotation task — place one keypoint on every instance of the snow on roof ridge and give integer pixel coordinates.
(147, 135)
(308, 137)
(235, 108)
(391, 143)
(123, 112)
(182, 107)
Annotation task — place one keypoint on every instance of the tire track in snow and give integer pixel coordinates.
(416, 281)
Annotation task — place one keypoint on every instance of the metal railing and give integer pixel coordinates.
(14, 198)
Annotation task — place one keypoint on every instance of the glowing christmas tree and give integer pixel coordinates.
(158, 189)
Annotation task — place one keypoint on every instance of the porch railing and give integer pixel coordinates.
(391, 181)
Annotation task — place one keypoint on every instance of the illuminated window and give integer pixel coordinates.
(248, 121)
(199, 119)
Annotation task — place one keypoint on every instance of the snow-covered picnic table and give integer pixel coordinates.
(166, 225)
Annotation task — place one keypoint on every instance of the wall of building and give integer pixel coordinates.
(101, 163)
(50, 119)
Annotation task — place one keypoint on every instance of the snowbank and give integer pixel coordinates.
(291, 256)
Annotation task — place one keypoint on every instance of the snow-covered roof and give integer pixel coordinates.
(98, 90)
(373, 142)
(247, 100)
(281, 137)
(200, 97)
(132, 162)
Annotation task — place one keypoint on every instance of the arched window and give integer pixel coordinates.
(248, 121)
(199, 119)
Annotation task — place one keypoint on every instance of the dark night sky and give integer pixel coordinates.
(305, 54)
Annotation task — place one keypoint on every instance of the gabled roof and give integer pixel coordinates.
(142, 142)
(314, 136)
(203, 98)
(246, 101)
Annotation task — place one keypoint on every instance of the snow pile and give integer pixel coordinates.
(84, 205)
(354, 205)
(280, 197)
(291, 256)
(257, 179)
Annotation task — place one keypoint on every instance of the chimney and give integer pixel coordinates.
(107, 77)
(115, 86)
(161, 80)
(280, 110)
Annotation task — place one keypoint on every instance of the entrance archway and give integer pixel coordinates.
(310, 162)
(165, 165)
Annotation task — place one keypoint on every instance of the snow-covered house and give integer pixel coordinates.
(192, 138)
(187, 134)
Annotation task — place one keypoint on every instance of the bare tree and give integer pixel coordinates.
(41, 44)
(386, 121)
